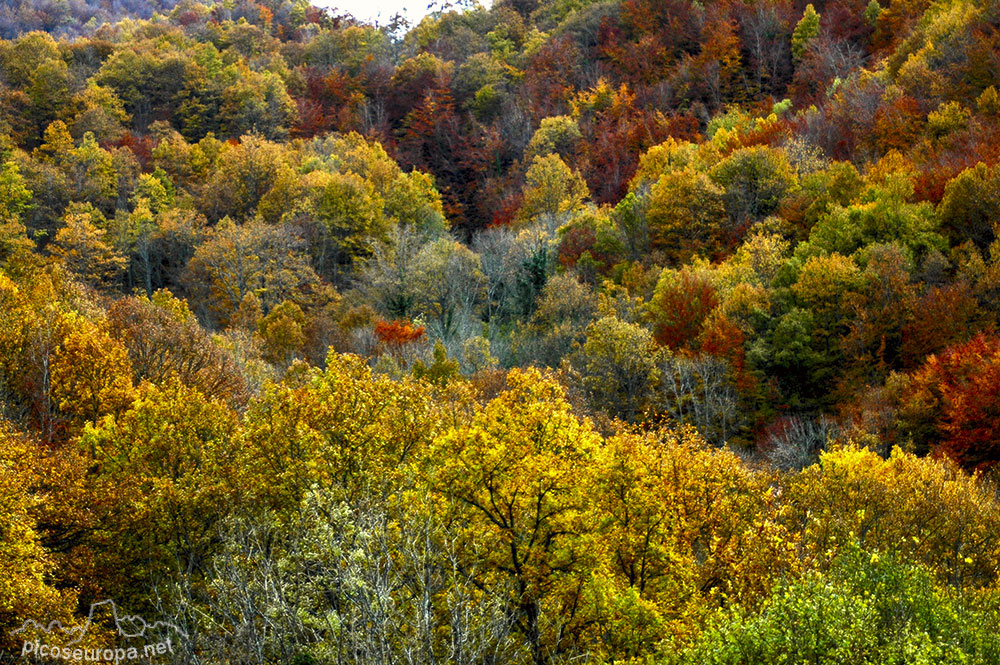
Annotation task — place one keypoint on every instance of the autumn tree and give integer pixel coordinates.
(618, 367)
(344, 430)
(15, 198)
(165, 340)
(805, 31)
(552, 189)
(84, 248)
(686, 214)
(250, 258)
(753, 180)
(682, 301)
(971, 205)
(680, 524)
(26, 586)
(511, 476)
(956, 389)
(91, 374)
(173, 451)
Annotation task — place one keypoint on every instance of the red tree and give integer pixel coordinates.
(962, 385)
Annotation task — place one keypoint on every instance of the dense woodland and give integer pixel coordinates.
(651, 331)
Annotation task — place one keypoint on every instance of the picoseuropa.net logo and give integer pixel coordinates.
(140, 640)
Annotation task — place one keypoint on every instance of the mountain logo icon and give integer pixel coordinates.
(128, 626)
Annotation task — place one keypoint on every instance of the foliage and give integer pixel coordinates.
(551, 331)
(866, 608)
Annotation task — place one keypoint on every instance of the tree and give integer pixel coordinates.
(48, 90)
(257, 103)
(685, 214)
(681, 303)
(944, 315)
(91, 173)
(824, 286)
(805, 32)
(243, 174)
(165, 340)
(91, 374)
(699, 390)
(173, 451)
(849, 609)
(618, 366)
(344, 430)
(970, 207)
(99, 112)
(922, 508)
(281, 333)
(511, 477)
(15, 198)
(882, 309)
(680, 524)
(958, 389)
(27, 586)
(135, 231)
(551, 189)
(754, 181)
(388, 273)
(57, 145)
(82, 245)
(351, 214)
(558, 135)
(565, 309)
(449, 285)
(887, 219)
(413, 200)
(251, 258)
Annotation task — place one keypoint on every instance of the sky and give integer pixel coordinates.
(382, 10)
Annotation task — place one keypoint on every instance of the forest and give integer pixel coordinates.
(660, 332)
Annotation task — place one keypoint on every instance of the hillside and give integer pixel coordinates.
(559, 331)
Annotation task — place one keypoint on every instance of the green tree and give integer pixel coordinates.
(256, 103)
(15, 199)
(867, 608)
(351, 213)
(754, 181)
(970, 206)
(887, 219)
(805, 32)
(92, 174)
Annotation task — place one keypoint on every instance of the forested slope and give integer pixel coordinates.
(563, 330)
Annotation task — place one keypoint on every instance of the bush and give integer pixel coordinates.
(866, 609)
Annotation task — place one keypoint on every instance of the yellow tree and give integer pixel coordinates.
(236, 260)
(552, 189)
(82, 246)
(174, 458)
(685, 210)
(683, 527)
(15, 198)
(91, 373)
(920, 508)
(509, 483)
(26, 591)
(343, 430)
